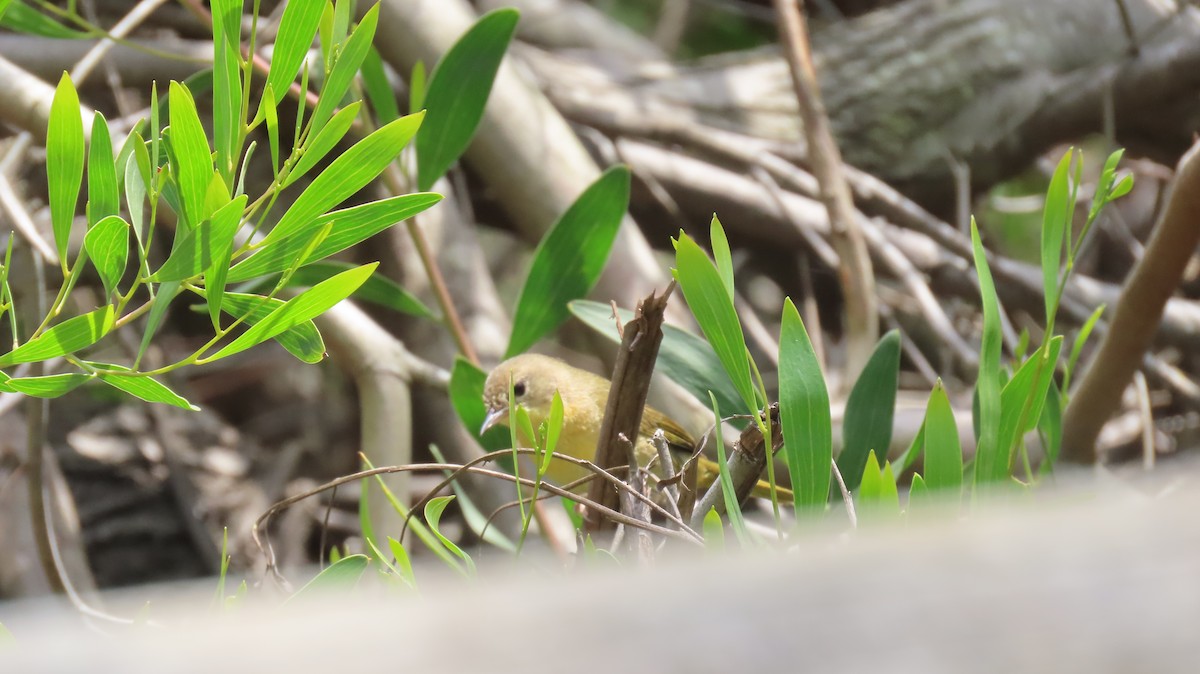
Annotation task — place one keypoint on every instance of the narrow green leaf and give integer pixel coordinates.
(878, 498)
(988, 458)
(347, 174)
(67, 337)
(140, 386)
(324, 141)
(721, 254)
(1021, 402)
(733, 509)
(687, 359)
(24, 19)
(379, 89)
(228, 117)
(107, 246)
(64, 161)
(943, 453)
(350, 226)
(342, 574)
(378, 289)
(458, 91)
(47, 386)
(303, 307)
(348, 62)
(714, 531)
(433, 516)
(302, 341)
(341, 20)
(570, 259)
(195, 167)
(297, 28)
(271, 119)
(102, 174)
(713, 308)
(417, 87)
(135, 188)
(162, 301)
(1122, 188)
(554, 424)
(918, 494)
(804, 414)
(870, 487)
(1056, 220)
(1085, 331)
(205, 245)
(870, 410)
(403, 563)
(225, 223)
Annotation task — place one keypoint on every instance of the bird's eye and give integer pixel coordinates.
(519, 389)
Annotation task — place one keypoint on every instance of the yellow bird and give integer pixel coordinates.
(584, 395)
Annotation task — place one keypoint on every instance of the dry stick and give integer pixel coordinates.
(627, 396)
(1137, 314)
(855, 273)
(745, 465)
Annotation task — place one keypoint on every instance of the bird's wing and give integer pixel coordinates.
(653, 420)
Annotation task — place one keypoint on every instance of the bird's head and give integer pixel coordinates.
(534, 380)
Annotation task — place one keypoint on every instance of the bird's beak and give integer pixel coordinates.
(493, 417)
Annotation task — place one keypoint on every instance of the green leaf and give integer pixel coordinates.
(870, 410)
(685, 358)
(918, 493)
(64, 161)
(713, 308)
(69, 336)
(324, 141)
(345, 572)
(348, 62)
(350, 226)
(378, 289)
(714, 531)
(135, 190)
(1085, 331)
(1122, 188)
(732, 508)
(1056, 221)
(1021, 402)
(162, 301)
(878, 498)
(302, 341)
(24, 19)
(403, 563)
(271, 119)
(346, 175)
(943, 453)
(195, 168)
(466, 396)
(225, 223)
(297, 28)
(458, 91)
(988, 457)
(1050, 426)
(804, 414)
(417, 87)
(48, 386)
(433, 516)
(228, 118)
(379, 89)
(141, 386)
(303, 307)
(102, 174)
(570, 259)
(107, 246)
(203, 247)
(721, 254)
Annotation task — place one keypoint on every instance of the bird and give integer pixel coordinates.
(535, 378)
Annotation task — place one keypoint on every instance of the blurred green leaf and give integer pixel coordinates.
(804, 414)
(878, 498)
(21, 18)
(403, 563)
(350, 226)
(340, 575)
(1021, 402)
(416, 87)
(301, 308)
(69, 336)
(458, 91)
(107, 245)
(943, 453)
(64, 160)
(102, 174)
(346, 175)
(1081, 339)
(433, 516)
(989, 460)
(1056, 221)
(714, 531)
(1050, 425)
(713, 308)
(379, 89)
(228, 119)
(918, 493)
(733, 509)
(870, 409)
(570, 258)
(721, 254)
